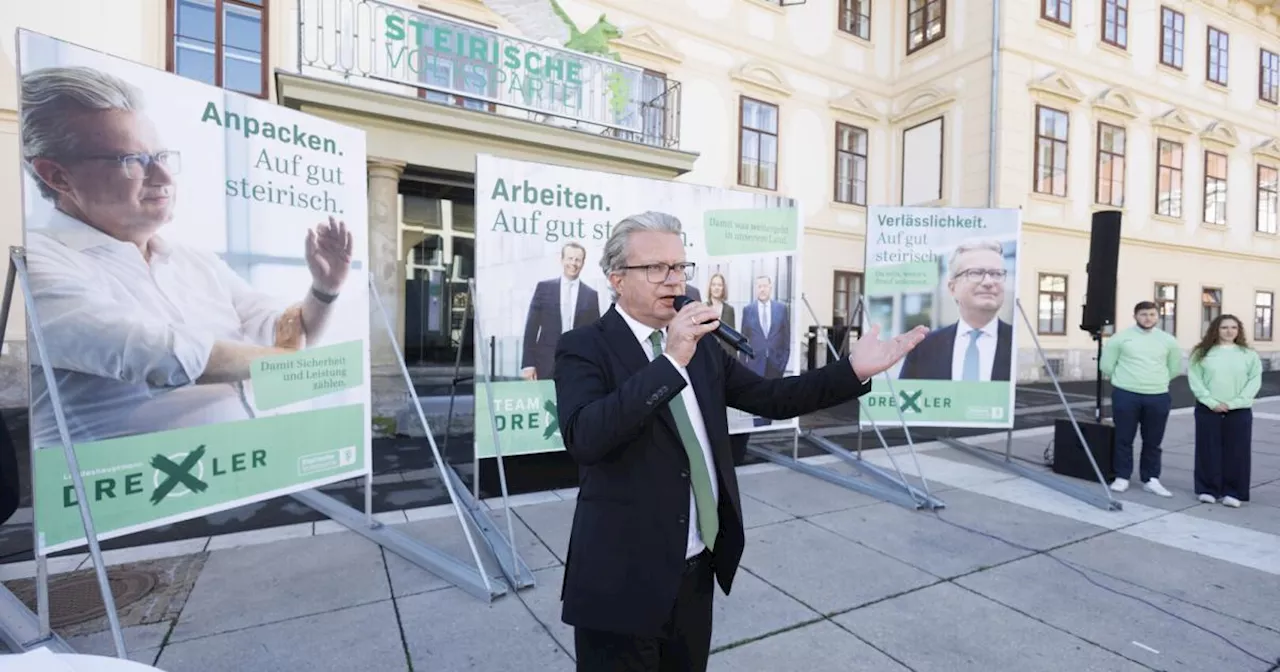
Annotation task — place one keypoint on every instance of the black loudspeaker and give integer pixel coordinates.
(1104, 259)
(1069, 458)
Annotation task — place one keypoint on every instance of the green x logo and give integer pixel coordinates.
(911, 402)
(177, 473)
(553, 426)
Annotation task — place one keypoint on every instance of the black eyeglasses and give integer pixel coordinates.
(980, 274)
(658, 273)
(138, 166)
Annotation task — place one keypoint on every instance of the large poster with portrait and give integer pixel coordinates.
(197, 261)
(540, 235)
(954, 270)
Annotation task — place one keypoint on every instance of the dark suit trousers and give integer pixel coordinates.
(685, 645)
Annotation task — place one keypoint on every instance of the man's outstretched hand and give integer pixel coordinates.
(870, 355)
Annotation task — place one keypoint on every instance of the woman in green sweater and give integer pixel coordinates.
(1225, 375)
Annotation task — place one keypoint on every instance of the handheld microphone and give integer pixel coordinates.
(723, 332)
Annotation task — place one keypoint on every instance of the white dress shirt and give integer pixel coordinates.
(986, 349)
(694, 544)
(128, 339)
(568, 302)
(765, 316)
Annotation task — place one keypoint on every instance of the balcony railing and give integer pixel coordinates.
(408, 52)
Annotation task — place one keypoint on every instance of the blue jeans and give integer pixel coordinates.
(1130, 410)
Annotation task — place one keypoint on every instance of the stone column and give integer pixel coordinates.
(384, 264)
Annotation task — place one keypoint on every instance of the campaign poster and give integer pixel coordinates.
(955, 271)
(540, 235)
(197, 260)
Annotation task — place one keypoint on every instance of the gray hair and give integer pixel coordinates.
(51, 99)
(615, 249)
(973, 246)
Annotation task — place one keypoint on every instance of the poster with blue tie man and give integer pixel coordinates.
(540, 238)
(954, 270)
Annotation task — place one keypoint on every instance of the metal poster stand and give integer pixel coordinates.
(1106, 502)
(882, 484)
(21, 630)
(473, 580)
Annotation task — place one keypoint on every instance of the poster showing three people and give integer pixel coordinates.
(541, 232)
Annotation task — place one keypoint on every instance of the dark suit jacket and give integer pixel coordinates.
(692, 292)
(931, 360)
(542, 327)
(627, 545)
(772, 349)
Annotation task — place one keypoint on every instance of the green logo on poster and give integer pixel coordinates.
(553, 423)
(911, 402)
(177, 473)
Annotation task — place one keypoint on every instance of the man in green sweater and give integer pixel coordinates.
(1140, 361)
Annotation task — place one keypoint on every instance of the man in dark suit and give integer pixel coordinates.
(558, 305)
(693, 293)
(767, 328)
(643, 397)
(978, 347)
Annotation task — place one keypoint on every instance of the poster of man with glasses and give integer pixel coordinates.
(954, 271)
(540, 244)
(198, 281)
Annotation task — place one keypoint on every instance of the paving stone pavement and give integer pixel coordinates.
(1009, 576)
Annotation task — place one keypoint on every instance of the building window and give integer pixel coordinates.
(1172, 34)
(855, 18)
(926, 23)
(1109, 189)
(1269, 77)
(220, 42)
(1057, 11)
(1219, 43)
(758, 146)
(1167, 304)
(1052, 305)
(1215, 188)
(1169, 178)
(922, 164)
(1051, 151)
(1268, 199)
(1210, 306)
(1263, 305)
(851, 164)
(1115, 23)
(846, 292)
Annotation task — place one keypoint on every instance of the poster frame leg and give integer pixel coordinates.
(473, 580)
(1105, 502)
(517, 572)
(880, 485)
(17, 623)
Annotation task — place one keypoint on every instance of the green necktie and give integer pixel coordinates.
(708, 518)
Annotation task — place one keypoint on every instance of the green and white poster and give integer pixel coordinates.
(197, 260)
(540, 234)
(954, 270)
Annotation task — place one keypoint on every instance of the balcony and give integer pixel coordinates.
(444, 61)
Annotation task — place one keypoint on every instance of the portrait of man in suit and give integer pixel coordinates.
(558, 305)
(978, 346)
(767, 328)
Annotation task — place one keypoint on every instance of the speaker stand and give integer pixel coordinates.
(1097, 411)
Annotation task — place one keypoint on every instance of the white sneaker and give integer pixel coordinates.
(1153, 486)
(1120, 484)
(1231, 502)
(1207, 498)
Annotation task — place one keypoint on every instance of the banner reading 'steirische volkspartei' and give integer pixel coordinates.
(955, 271)
(198, 265)
(540, 233)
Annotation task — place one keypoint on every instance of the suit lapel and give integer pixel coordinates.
(631, 353)
(700, 374)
